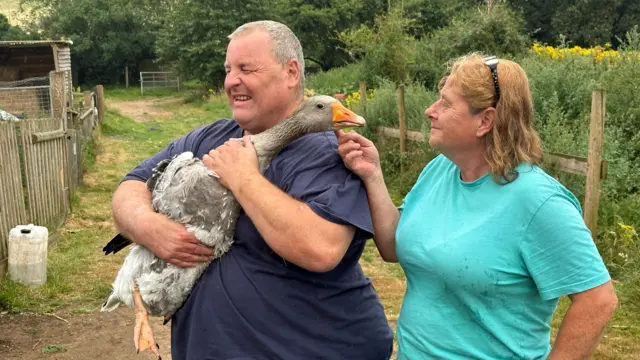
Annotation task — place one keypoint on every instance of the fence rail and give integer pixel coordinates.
(41, 161)
(593, 167)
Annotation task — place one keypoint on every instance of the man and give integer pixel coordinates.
(291, 286)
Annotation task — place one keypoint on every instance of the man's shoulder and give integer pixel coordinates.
(313, 146)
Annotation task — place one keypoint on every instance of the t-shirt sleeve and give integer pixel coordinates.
(558, 250)
(315, 174)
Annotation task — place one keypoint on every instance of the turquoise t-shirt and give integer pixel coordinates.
(486, 263)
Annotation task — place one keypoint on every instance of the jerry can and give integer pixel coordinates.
(28, 254)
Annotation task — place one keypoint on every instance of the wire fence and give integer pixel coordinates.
(26, 99)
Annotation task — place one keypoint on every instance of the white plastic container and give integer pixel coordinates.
(28, 254)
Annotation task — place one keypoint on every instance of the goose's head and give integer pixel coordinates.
(323, 113)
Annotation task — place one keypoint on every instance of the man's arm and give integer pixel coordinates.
(135, 219)
(288, 226)
(584, 323)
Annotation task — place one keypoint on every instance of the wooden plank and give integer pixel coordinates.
(567, 163)
(85, 114)
(412, 135)
(47, 136)
(594, 167)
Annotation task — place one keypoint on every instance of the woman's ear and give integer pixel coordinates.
(487, 120)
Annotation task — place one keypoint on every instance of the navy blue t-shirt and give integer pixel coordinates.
(253, 304)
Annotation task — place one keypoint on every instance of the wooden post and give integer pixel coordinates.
(403, 119)
(126, 76)
(403, 124)
(87, 99)
(363, 97)
(594, 161)
(179, 82)
(100, 104)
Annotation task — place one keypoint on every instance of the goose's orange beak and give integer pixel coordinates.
(345, 118)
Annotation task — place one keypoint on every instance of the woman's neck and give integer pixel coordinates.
(472, 164)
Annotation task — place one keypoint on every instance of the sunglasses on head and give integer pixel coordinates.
(492, 63)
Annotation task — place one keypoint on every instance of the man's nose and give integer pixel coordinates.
(231, 80)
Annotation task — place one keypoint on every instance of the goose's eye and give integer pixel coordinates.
(319, 106)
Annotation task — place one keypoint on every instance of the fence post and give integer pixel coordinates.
(403, 124)
(363, 97)
(100, 98)
(594, 161)
(126, 76)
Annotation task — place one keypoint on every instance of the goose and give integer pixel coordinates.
(185, 190)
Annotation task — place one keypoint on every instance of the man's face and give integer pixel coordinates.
(260, 91)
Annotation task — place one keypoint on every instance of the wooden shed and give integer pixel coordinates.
(25, 70)
(27, 59)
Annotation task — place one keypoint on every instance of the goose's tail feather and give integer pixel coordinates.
(116, 244)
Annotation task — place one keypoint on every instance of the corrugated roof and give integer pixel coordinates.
(16, 43)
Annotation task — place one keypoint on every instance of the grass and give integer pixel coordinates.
(79, 276)
(52, 349)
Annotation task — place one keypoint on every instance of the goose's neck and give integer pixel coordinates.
(269, 142)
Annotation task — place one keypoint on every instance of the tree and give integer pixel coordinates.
(8, 32)
(106, 35)
(193, 39)
(386, 48)
(318, 23)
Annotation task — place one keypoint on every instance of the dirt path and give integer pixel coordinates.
(142, 110)
(81, 337)
(91, 334)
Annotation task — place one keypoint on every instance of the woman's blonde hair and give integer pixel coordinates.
(512, 140)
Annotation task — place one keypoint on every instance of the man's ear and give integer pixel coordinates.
(487, 120)
(293, 73)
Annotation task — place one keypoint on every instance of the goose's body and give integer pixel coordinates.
(189, 193)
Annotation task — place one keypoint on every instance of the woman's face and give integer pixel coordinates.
(453, 126)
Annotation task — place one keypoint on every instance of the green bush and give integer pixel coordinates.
(341, 80)
(497, 31)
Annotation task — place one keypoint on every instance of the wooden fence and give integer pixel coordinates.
(41, 162)
(593, 166)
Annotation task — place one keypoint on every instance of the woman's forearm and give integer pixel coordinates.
(385, 217)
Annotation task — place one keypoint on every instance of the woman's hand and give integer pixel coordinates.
(359, 155)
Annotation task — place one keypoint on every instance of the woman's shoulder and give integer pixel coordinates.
(535, 184)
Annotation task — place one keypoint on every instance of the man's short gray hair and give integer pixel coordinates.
(286, 45)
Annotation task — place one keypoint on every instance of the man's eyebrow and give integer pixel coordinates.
(445, 97)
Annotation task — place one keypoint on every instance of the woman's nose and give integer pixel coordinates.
(430, 112)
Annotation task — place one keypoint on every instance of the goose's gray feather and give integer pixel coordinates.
(189, 193)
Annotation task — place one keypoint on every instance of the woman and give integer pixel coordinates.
(487, 240)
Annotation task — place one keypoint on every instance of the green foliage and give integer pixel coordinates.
(383, 110)
(318, 23)
(194, 38)
(387, 50)
(106, 35)
(8, 32)
(497, 31)
(428, 16)
(339, 80)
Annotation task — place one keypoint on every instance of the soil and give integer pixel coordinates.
(143, 110)
(94, 335)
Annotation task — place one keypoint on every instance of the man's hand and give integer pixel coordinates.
(167, 239)
(172, 243)
(234, 162)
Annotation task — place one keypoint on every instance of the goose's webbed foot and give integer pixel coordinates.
(143, 333)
